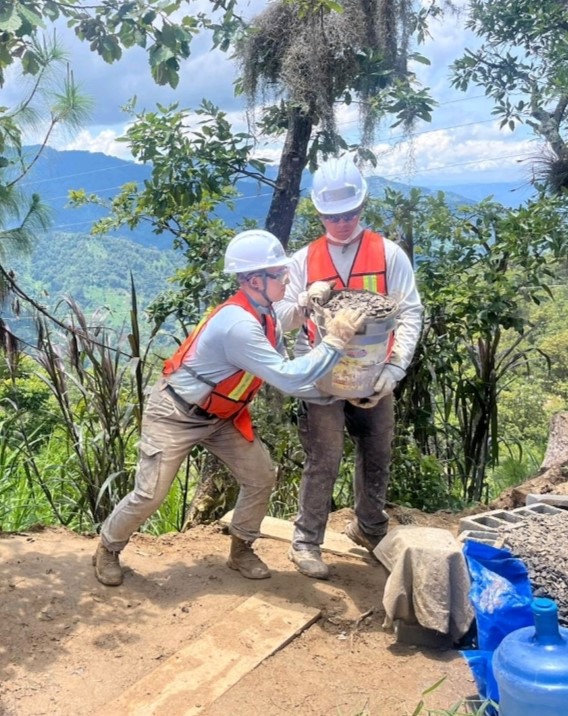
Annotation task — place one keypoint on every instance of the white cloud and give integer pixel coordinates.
(442, 156)
(461, 141)
(104, 141)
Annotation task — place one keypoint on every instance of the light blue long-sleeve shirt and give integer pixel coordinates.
(233, 339)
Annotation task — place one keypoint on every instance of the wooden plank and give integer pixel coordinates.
(193, 678)
(334, 542)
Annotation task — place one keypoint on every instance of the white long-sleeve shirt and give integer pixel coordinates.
(233, 339)
(401, 286)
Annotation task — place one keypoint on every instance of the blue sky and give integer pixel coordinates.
(462, 144)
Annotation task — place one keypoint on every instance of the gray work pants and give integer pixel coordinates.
(321, 432)
(170, 429)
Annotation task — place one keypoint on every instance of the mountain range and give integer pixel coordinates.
(57, 172)
(96, 271)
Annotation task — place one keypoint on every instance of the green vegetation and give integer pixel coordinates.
(492, 365)
(110, 28)
(521, 66)
(95, 271)
(62, 415)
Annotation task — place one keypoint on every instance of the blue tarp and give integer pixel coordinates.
(501, 596)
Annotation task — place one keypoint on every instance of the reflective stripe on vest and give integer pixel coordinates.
(230, 397)
(369, 269)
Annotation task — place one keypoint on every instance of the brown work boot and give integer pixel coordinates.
(356, 534)
(309, 562)
(245, 561)
(107, 566)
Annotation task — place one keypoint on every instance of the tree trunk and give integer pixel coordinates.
(215, 494)
(287, 193)
(557, 447)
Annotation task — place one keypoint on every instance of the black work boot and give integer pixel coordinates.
(357, 535)
(107, 567)
(245, 561)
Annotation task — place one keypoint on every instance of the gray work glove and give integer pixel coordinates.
(318, 292)
(387, 380)
(341, 327)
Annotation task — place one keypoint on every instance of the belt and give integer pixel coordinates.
(190, 408)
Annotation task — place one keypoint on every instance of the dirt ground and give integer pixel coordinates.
(69, 646)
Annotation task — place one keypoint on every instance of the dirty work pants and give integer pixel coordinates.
(321, 432)
(170, 429)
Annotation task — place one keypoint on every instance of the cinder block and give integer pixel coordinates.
(560, 501)
(494, 519)
(416, 635)
(486, 536)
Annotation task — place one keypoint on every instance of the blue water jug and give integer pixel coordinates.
(531, 666)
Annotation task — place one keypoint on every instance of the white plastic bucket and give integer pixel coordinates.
(356, 373)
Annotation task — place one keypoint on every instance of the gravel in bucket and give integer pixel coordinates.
(376, 305)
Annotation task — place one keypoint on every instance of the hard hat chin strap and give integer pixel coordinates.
(263, 293)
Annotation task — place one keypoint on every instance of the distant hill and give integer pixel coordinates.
(95, 271)
(510, 194)
(55, 173)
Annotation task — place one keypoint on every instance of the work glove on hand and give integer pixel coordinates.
(318, 293)
(341, 328)
(387, 380)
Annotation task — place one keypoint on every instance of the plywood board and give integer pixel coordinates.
(193, 678)
(334, 542)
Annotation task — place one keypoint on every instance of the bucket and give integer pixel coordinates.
(364, 357)
(531, 666)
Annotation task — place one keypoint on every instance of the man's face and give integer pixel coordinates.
(272, 281)
(341, 226)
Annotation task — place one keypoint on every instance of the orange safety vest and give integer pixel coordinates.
(230, 397)
(369, 269)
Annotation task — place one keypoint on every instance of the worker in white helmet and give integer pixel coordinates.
(347, 256)
(202, 399)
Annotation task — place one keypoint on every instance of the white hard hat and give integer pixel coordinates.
(338, 187)
(254, 250)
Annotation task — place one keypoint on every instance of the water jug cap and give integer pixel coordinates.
(545, 614)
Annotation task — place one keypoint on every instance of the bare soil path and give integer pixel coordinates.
(69, 646)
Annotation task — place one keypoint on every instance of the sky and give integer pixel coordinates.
(462, 145)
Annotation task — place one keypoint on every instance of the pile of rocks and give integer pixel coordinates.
(376, 305)
(542, 543)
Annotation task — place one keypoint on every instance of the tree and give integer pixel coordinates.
(521, 64)
(192, 171)
(478, 269)
(48, 103)
(109, 26)
(312, 57)
(51, 102)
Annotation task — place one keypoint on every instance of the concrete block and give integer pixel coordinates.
(486, 536)
(417, 635)
(494, 519)
(560, 501)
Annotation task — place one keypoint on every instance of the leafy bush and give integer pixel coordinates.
(417, 480)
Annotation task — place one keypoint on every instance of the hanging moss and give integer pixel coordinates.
(552, 171)
(313, 60)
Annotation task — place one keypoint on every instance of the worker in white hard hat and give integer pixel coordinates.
(347, 255)
(203, 395)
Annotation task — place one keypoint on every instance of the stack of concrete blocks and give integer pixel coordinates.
(485, 526)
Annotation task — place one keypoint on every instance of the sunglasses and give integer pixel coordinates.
(336, 218)
(278, 275)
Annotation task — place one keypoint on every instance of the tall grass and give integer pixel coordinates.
(513, 470)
